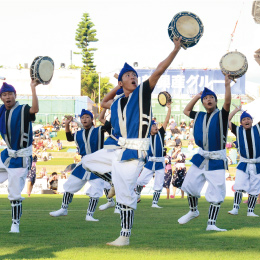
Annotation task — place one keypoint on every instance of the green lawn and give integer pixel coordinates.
(155, 235)
(57, 161)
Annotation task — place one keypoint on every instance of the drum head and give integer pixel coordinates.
(233, 61)
(45, 70)
(162, 99)
(187, 26)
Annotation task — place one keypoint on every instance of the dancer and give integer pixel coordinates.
(16, 159)
(88, 140)
(248, 169)
(130, 119)
(209, 164)
(156, 161)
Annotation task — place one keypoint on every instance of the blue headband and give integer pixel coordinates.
(207, 92)
(7, 88)
(125, 69)
(154, 122)
(245, 114)
(86, 112)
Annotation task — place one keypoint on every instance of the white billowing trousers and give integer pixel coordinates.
(196, 178)
(124, 173)
(16, 180)
(146, 176)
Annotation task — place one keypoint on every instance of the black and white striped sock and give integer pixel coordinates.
(66, 200)
(92, 206)
(251, 202)
(106, 177)
(237, 199)
(139, 189)
(118, 206)
(127, 219)
(213, 213)
(106, 193)
(17, 211)
(193, 202)
(156, 196)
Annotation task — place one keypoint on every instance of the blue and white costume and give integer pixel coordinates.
(124, 151)
(248, 169)
(155, 165)
(209, 164)
(16, 159)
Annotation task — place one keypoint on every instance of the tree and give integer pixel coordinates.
(90, 86)
(85, 34)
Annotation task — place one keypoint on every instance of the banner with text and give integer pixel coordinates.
(191, 81)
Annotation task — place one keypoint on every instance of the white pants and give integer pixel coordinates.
(124, 173)
(196, 178)
(16, 180)
(146, 176)
(248, 181)
(74, 184)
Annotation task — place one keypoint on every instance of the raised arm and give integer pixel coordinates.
(164, 64)
(35, 105)
(67, 123)
(227, 102)
(230, 116)
(167, 118)
(191, 104)
(109, 97)
(102, 116)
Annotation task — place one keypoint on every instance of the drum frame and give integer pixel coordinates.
(185, 41)
(234, 74)
(168, 97)
(34, 69)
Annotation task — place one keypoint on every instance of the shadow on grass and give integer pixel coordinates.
(154, 231)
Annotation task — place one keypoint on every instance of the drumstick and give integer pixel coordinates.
(116, 75)
(76, 121)
(3, 78)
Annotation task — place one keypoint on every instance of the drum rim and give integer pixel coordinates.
(173, 32)
(34, 70)
(238, 73)
(165, 93)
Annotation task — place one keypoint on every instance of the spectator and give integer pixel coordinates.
(173, 125)
(183, 126)
(77, 157)
(176, 130)
(50, 144)
(180, 170)
(59, 144)
(31, 177)
(168, 174)
(45, 155)
(43, 173)
(177, 141)
(53, 182)
(63, 122)
(63, 175)
(56, 124)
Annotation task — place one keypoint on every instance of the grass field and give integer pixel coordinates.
(155, 235)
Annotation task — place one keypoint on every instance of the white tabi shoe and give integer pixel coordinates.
(214, 228)
(233, 212)
(189, 216)
(156, 206)
(251, 214)
(120, 241)
(117, 211)
(58, 213)
(90, 218)
(107, 205)
(111, 193)
(14, 228)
